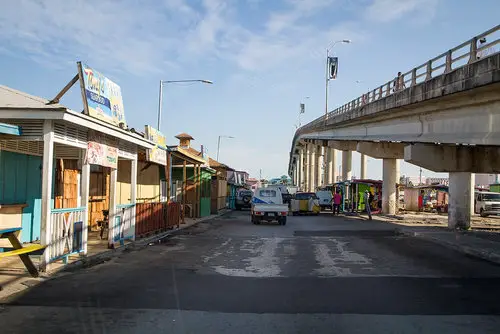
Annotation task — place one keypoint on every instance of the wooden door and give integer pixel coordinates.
(98, 194)
(66, 185)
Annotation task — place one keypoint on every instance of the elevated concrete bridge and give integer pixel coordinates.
(443, 115)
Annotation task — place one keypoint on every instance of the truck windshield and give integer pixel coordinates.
(491, 197)
(267, 193)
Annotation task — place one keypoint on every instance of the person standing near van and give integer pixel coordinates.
(337, 199)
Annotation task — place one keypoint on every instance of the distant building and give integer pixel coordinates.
(438, 180)
(484, 180)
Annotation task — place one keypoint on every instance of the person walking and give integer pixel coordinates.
(337, 198)
(368, 203)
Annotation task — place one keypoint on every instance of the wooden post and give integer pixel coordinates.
(184, 191)
(48, 160)
(199, 191)
(85, 202)
(195, 183)
(168, 176)
(112, 208)
(133, 192)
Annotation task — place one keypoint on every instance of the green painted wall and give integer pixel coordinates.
(205, 206)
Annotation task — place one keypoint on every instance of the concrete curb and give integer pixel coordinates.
(471, 251)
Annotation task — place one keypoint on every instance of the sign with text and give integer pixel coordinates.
(157, 154)
(101, 151)
(102, 98)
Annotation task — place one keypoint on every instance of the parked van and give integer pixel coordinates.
(487, 203)
(325, 199)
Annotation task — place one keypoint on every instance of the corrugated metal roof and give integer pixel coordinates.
(14, 99)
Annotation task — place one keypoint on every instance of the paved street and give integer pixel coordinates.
(315, 275)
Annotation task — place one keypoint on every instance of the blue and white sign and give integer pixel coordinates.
(102, 97)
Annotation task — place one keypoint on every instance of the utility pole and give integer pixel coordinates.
(420, 182)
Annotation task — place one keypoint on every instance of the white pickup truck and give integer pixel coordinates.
(267, 205)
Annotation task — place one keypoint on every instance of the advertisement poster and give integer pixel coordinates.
(102, 97)
(100, 152)
(157, 154)
(333, 64)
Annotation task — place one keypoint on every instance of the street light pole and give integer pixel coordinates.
(218, 145)
(327, 79)
(160, 98)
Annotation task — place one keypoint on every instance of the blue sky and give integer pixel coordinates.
(264, 57)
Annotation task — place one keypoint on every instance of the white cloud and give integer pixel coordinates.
(390, 10)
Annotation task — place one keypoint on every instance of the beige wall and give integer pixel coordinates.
(148, 182)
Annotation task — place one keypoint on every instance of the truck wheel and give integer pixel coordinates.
(481, 213)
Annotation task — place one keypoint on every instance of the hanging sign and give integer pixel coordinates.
(101, 150)
(102, 98)
(333, 64)
(157, 154)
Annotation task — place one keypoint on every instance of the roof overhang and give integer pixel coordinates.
(78, 119)
(184, 155)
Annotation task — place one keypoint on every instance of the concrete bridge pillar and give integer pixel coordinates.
(461, 192)
(300, 168)
(319, 166)
(390, 178)
(307, 169)
(332, 166)
(312, 168)
(362, 174)
(346, 165)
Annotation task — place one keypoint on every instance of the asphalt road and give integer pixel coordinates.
(315, 275)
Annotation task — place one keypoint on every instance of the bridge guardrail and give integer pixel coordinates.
(459, 56)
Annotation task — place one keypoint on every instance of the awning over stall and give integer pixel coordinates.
(10, 129)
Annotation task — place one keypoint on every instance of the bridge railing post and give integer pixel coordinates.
(428, 70)
(388, 89)
(414, 76)
(449, 61)
(473, 50)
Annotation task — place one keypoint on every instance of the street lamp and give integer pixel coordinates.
(345, 41)
(218, 144)
(160, 100)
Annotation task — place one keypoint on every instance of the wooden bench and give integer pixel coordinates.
(22, 252)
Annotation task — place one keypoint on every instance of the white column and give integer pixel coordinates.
(47, 166)
(300, 167)
(329, 166)
(319, 166)
(307, 169)
(460, 195)
(133, 191)
(363, 167)
(473, 188)
(312, 169)
(112, 207)
(333, 159)
(390, 179)
(346, 165)
(85, 202)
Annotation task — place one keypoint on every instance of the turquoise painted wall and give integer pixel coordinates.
(21, 182)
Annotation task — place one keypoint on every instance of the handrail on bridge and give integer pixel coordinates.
(457, 57)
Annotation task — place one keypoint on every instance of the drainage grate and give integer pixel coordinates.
(347, 233)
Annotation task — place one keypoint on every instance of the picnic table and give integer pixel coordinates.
(23, 252)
